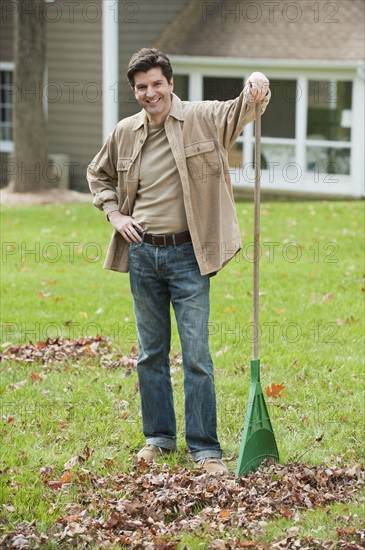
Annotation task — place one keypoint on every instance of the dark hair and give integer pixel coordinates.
(146, 59)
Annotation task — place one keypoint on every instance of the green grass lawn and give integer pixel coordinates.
(311, 341)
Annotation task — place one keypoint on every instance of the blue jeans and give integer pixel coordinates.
(161, 276)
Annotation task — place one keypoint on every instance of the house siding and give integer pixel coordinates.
(6, 36)
(141, 24)
(72, 94)
(74, 89)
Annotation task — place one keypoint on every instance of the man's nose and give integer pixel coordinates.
(150, 91)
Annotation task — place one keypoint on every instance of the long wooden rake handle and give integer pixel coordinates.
(256, 258)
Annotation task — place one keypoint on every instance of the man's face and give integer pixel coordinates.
(153, 93)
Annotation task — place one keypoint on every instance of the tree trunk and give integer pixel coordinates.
(31, 169)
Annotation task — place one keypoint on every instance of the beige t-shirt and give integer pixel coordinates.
(159, 205)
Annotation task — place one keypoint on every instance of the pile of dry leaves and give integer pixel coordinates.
(150, 507)
(61, 349)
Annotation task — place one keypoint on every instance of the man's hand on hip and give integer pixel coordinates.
(256, 88)
(126, 226)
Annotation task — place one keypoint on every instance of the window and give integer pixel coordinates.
(181, 86)
(329, 125)
(278, 126)
(221, 88)
(6, 83)
(329, 110)
(279, 120)
(302, 133)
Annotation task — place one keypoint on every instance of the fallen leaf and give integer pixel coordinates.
(40, 345)
(221, 351)
(287, 513)
(71, 463)
(230, 309)
(218, 544)
(66, 477)
(86, 453)
(328, 297)
(46, 473)
(9, 508)
(75, 529)
(54, 485)
(355, 471)
(18, 385)
(274, 390)
(44, 294)
(36, 378)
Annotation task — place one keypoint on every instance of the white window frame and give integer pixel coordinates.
(7, 146)
(333, 184)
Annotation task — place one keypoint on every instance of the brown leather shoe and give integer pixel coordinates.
(150, 452)
(213, 466)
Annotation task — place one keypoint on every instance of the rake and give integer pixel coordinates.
(258, 440)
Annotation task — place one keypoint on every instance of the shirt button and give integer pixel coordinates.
(141, 141)
(198, 149)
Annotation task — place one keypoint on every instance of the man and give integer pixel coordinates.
(162, 179)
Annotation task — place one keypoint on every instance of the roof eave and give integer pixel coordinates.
(199, 60)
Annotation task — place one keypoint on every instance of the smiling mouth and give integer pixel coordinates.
(154, 101)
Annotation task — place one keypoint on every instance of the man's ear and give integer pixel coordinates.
(172, 83)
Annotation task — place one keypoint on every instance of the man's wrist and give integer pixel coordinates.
(110, 214)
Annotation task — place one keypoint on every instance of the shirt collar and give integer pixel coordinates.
(176, 111)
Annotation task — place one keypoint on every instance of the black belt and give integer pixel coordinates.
(166, 240)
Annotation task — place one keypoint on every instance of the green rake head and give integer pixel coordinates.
(258, 440)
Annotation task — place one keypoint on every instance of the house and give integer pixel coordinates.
(80, 92)
(312, 52)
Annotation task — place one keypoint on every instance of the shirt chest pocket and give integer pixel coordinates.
(202, 160)
(123, 164)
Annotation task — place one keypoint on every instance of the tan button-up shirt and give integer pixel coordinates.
(200, 134)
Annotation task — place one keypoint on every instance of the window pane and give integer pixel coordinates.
(6, 105)
(7, 133)
(276, 156)
(181, 86)
(279, 118)
(328, 160)
(329, 110)
(221, 88)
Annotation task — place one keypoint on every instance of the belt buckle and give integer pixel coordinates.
(155, 240)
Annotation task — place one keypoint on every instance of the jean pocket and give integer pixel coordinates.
(186, 256)
(134, 247)
(186, 249)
